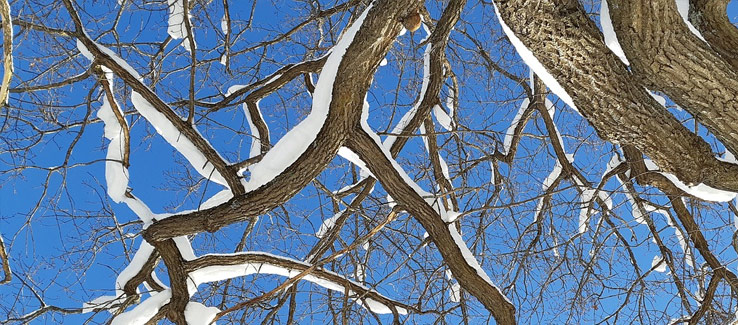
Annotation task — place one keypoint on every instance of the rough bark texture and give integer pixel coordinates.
(355, 72)
(489, 295)
(711, 19)
(571, 48)
(668, 57)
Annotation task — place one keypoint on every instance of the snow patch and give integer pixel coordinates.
(611, 39)
(534, 64)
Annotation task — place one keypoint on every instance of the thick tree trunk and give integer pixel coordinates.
(668, 57)
(571, 48)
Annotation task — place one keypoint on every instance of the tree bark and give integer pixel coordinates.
(569, 45)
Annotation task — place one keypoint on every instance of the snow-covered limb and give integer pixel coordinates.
(7, 27)
(410, 115)
(534, 64)
(610, 38)
(213, 267)
(180, 134)
(457, 255)
(177, 24)
(512, 129)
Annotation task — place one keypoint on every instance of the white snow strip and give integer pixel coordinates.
(139, 259)
(683, 8)
(224, 25)
(443, 118)
(255, 136)
(682, 239)
(660, 99)
(185, 248)
(177, 28)
(328, 224)
(171, 134)
(223, 272)
(534, 64)
(383, 63)
(586, 198)
(223, 59)
(492, 173)
(507, 143)
(455, 292)
(546, 184)
(405, 120)
(470, 259)
(552, 176)
(234, 88)
(659, 263)
(102, 302)
(352, 157)
(84, 51)
(296, 141)
(611, 39)
(199, 314)
(146, 310)
(700, 191)
(450, 102)
(116, 174)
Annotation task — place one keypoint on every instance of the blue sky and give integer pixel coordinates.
(68, 232)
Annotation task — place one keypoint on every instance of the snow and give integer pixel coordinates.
(255, 136)
(682, 241)
(293, 144)
(223, 59)
(552, 176)
(139, 259)
(451, 216)
(450, 102)
(405, 120)
(233, 89)
(184, 247)
(224, 24)
(116, 174)
(470, 259)
(510, 133)
(147, 309)
(352, 157)
(700, 191)
(328, 224)
(84, 51)
(455, 290)
(585, 197)
(443, 118)
(660, 99)
(383, 63)
(683, 9)
(492, 172)
(611, 39)
(171, 134)
(223, 272)
(177, 28)
(122, 63)
(534, 64)
(102, 302)
(199, 314)
(546, 184)
(659, 263)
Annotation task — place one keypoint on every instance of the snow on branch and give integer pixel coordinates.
(297, 140)
(213, 267)
(534, 64)
(177, 25)
(181, 135)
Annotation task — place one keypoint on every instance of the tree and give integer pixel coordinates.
(316, 162)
